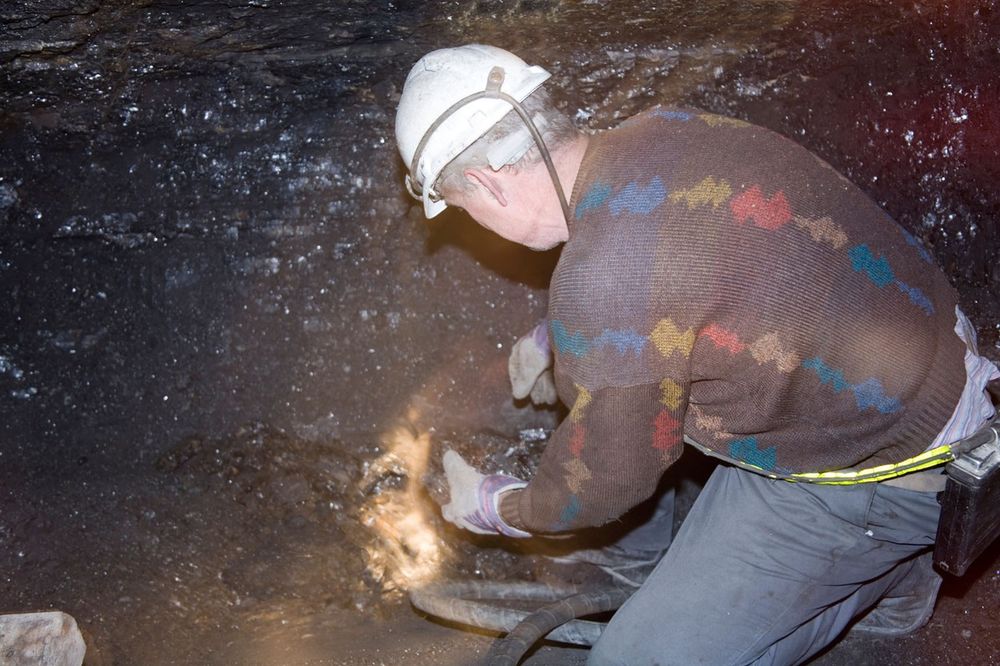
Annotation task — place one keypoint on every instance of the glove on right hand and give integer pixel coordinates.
(530, 367)
(474, 502)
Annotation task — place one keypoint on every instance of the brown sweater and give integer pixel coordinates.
(720, 281)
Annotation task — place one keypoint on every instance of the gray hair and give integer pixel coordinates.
(555, 127)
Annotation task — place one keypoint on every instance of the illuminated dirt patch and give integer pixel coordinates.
(407, 550)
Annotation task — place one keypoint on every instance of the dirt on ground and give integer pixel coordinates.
(233, 350)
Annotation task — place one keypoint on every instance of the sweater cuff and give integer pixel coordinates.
(508, 509)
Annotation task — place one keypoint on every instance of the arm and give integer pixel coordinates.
(606, 456)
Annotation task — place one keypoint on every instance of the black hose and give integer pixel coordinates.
(508, 651)
(464, 602)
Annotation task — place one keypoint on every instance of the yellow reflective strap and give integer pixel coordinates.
(926, 460)
(932, 458)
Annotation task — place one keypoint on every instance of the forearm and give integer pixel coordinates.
(605, 458)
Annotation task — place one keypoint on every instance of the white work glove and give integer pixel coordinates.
(475, 498)
(530, 367)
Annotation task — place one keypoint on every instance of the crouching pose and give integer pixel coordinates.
(718, 285)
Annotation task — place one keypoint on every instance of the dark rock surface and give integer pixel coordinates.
(203, 229)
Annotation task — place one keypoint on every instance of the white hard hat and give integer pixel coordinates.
(438, 81)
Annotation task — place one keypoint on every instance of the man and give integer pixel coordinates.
(721, 285)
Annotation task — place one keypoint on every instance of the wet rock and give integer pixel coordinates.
(275, 471)
(303, 562)
(294, 546)
(8, 196)
(41, 639)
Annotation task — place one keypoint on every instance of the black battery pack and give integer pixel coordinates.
(970, 503)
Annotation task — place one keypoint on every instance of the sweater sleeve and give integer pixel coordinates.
(606, 456)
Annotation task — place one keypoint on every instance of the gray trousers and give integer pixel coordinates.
(767, 572)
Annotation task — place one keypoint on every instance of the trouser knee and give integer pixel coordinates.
(602, 654)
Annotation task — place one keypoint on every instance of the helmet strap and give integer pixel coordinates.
(494, 81)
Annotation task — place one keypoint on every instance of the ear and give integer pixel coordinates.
(488, 182)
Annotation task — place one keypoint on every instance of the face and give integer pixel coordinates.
(523, 219)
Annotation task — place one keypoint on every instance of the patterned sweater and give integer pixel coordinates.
(721, 281)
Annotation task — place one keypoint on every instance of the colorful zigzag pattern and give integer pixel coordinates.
(869, 393)
(751, 206)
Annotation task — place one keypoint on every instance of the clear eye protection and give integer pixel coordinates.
(515, 145)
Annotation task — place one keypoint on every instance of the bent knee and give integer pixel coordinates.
(662, 646)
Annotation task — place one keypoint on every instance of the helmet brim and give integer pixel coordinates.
(432, 208)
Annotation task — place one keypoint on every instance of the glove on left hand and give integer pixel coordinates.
(475, 498)
(530, 367)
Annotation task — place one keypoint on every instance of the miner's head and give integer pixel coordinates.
(465, 144)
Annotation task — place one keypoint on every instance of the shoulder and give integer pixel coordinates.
(686, 121)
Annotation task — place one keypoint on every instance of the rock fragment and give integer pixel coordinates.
(41, 639)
